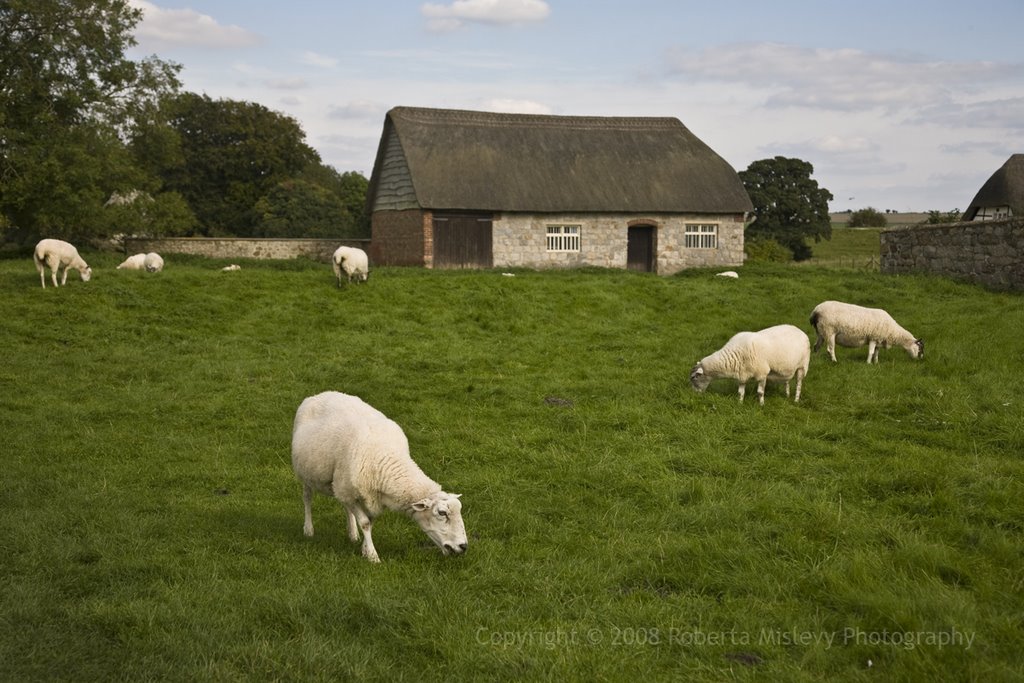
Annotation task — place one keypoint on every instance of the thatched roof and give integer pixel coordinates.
(517, 162)
(1004, 188)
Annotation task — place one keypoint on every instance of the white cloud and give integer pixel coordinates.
(286, 83)
(515, 106)
(495, 12)
(1007, 114)
(839, 79)
(361, 109)
(314, 59)
(164, 28)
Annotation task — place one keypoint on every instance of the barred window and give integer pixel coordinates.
(563, 238)
(701, 236)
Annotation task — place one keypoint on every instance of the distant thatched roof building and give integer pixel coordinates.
(1002, 195)
(519, 162)
(507, 183)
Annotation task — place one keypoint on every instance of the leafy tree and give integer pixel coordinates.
(167, 214)
(761, 249)
(68, 97)
(350, 187)
(232, 154)
(867, 218)
(298, 208)
(936, 217)
(789, 205)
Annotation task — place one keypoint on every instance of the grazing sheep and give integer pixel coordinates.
(854, 326)
(233, 266)
(56, 253)
(154, 262)
(728, 273)
(344, 448)
(136, 262)
(353, 261)
(776, 353)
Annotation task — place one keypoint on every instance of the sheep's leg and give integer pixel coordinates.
(818, 341)
(64, 278)
(353, 528)
(743, 390)
(366, 524)
(872, 351)
(832, 347)
(760, 390)
(42, 275)
(799, 384)
(307, 507)
(787, 388)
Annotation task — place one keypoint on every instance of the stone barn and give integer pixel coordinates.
(1002, 195)
(466, 189)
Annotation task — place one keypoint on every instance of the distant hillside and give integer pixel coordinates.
(840, 219)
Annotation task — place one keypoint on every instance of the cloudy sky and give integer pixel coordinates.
(899, 104)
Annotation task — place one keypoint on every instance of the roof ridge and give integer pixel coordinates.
(468, 116)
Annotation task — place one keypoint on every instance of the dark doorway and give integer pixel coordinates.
(463, 241)
(640, 248)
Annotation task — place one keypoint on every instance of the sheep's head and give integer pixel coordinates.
(699, 379)
(440, 516)
(86, 274)
(917, 349)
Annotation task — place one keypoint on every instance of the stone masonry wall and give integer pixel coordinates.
(242, 247)
(521, 240)
(990, 253)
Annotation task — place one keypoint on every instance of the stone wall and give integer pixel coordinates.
(521, 240)
(990, 253)
(242, 247)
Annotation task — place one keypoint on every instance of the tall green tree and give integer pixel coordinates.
(789, 205)
(299, 208)
(68, 98)
(350, 187)
(233, 154)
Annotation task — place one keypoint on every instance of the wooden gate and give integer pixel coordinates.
(640, 248)
(463, 241)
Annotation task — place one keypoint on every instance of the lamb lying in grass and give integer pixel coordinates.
(344, 448)
(777, 353)
(56, 253)
(136, 262)
(153, 263)
(854, 326)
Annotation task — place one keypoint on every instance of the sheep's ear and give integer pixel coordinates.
(421, 505)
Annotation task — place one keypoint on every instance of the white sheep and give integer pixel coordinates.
(854, 326)
(728, 273)
(777, 353)
(136, 262)
(353, 262)
(233, 266)
(154, 263)
(56, 253)
(345, 448)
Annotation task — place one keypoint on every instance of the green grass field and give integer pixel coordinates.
(633, 530)
(850, 248)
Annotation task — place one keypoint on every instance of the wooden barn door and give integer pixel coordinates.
(640, 248)
(463, 241)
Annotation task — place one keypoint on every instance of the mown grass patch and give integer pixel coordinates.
(620, 524)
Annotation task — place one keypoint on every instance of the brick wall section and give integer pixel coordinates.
(400, 238)
(990, 253)
(521, 240)
(242, 247)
